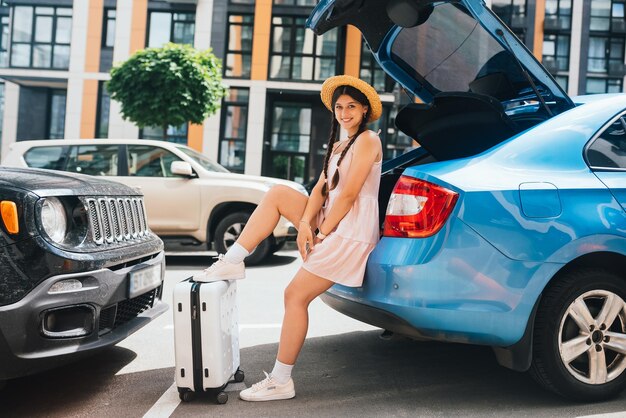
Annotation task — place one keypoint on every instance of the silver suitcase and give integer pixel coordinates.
(206, 338)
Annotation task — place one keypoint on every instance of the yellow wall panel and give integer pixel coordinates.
(138, 25)
(88, 111)
(261, 39)
(540, 16)
(353, 51)
(194, 136)
(94, 35)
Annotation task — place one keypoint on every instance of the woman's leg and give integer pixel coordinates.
(301, 291)
(304, 287)
(278, 201)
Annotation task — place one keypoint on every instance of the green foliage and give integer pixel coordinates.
(166, 86)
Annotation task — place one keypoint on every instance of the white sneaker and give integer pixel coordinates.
(268, 390)
(221, 270)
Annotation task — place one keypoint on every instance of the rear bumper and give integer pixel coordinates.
(453, 287)
(103, 306)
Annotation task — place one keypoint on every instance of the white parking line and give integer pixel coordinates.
(609, 415)
(166, 404)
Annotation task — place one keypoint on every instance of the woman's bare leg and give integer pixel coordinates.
(304, 287)
(279, 200)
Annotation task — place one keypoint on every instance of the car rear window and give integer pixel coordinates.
(464, 52)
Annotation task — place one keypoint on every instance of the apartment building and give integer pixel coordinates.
(55, 57)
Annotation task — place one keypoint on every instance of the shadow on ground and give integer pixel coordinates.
(86, 388)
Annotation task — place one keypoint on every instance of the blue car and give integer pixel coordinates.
(507, 227)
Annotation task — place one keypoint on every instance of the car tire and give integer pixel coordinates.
(229, 229)
(578, 317)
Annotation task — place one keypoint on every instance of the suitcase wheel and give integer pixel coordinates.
(221, 398)
(185, 395)
(239, 376)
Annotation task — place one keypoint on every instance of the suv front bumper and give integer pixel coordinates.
(96, 316)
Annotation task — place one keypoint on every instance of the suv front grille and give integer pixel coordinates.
(116, 220)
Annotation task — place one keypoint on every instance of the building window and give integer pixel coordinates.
(558, 15)
(108, 29)
(241, 2)
(372, 73)
(604, 85)
(297, 54)
(56, 114)
(513, 14)
(175, 27)
(606, 55)
(41, 37)
(102, 112)
(239, 46)
(607, 15)
(176, 134)
(556, 52)
(232, 152)
(4, 41)
(563, 81)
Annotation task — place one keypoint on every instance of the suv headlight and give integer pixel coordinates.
(54, 219)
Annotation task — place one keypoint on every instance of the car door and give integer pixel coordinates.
(172, 201)
(606, 156)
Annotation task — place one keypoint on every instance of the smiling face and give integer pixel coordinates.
(349, 113)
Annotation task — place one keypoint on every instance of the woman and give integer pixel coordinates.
(342, 208)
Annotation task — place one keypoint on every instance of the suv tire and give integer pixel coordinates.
(573, 353)
(227, 232)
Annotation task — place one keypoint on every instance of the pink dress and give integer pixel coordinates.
(341, 257)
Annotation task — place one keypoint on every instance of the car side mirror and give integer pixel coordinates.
(181, 168)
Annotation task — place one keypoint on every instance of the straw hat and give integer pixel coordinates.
(331, 84)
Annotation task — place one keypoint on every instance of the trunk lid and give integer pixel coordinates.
(431, 47)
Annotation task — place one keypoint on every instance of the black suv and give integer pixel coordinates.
(79, 267)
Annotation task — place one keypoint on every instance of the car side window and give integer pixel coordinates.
(52, 158)
(150, 161)
(95, 160)
(609, 149)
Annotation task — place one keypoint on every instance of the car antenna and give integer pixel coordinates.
(500, 33)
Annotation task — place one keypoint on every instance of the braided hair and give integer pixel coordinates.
(334, 129)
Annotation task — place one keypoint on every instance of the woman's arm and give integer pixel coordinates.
(305, 227)
(367, 149)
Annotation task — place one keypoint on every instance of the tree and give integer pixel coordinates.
(167, 86)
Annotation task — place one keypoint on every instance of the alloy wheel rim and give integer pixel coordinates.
(592, 337)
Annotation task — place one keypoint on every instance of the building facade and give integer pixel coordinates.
(55, 57)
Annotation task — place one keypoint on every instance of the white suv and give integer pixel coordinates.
(191, 200)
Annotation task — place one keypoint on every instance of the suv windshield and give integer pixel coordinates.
(451, 51)
(206, 163)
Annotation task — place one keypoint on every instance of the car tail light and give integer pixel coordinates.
(417, 208)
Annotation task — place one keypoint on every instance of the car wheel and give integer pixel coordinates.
(579, 347)
(229, 229)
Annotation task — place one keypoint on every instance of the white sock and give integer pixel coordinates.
(281, 373)
(236, 254)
